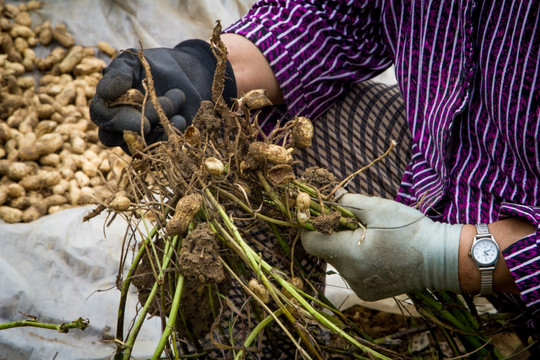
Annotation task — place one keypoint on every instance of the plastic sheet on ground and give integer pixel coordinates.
(59, 268)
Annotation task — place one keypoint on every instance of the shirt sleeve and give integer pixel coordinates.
(523, 259)
(316, 49)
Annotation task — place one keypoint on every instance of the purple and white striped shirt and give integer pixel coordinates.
(469, 76)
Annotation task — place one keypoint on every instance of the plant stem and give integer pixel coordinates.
(323, 320)
(342, 221)
(261, 325)
(427, 305)
(247, 209)
(127, 282)
(256, 263)
(347, 215)
(172, 318)
(80, 323)
(265, 307)
(272, 194)
(142, 314)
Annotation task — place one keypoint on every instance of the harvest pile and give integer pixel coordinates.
(50, 154)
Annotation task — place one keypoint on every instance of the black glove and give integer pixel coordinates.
(182, 79)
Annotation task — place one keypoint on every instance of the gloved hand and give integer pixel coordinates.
(402, 250)
(182, 77)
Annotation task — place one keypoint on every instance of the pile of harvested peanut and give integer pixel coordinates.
(50, 155)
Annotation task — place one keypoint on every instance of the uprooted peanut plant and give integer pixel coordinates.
(194, 198)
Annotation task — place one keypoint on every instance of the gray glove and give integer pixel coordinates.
(402, 250)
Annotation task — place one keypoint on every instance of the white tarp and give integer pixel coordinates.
(55, 268)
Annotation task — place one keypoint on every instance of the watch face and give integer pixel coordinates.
(485, 252)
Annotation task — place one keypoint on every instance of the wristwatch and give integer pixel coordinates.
(485, 253)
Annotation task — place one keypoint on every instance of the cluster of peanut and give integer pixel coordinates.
(50, 154)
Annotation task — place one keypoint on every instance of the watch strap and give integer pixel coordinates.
(482, 229)
(486, 281)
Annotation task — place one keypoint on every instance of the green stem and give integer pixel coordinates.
(172, 318)
(272, 194)
(463, 312)
(430, 302)
(236, 234)
(449, 340)
(142, 314)
(458, 310)
(331, 307)
(323, 320)
(127, 282)
(247, 209)
(342, 221)
(427, 302)
(261, 325)
(254, 260)
(285, 246)
(80, 323)
(307, 189)
(265, 307)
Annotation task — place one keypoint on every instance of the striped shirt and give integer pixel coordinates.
(469, 76)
